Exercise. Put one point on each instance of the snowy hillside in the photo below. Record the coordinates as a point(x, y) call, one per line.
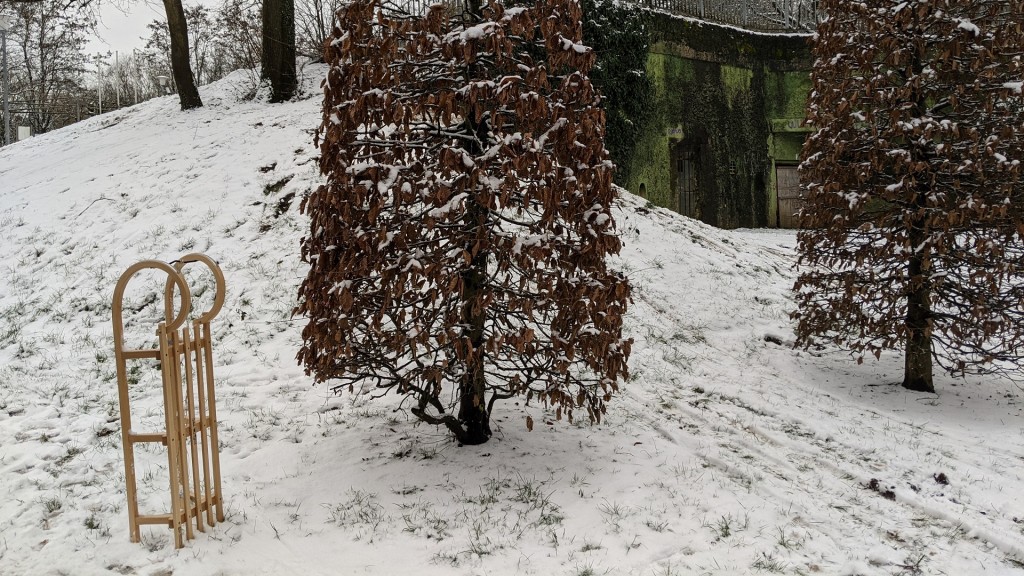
point(727, 453)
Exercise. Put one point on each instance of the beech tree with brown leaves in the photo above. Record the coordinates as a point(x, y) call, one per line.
point(912, 229)
point(458, 249)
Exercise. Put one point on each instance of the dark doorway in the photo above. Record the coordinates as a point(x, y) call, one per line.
point(685, 178)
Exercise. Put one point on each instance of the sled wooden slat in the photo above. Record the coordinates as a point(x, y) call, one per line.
point(141, 354)
point(157, 519)
point(136, 437)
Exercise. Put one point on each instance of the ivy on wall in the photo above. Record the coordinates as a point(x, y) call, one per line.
point(618, 33)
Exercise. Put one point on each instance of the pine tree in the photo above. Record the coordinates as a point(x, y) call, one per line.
point(457, 251)
point(912, 231)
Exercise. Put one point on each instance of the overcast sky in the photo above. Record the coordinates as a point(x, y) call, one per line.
point(122, 25)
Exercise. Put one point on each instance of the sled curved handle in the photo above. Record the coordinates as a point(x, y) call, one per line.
point(218, 275)
point(173, 279)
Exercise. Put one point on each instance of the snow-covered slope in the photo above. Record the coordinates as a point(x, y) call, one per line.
point(726, 453)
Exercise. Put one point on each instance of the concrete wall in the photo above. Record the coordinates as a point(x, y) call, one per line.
point(735, 101)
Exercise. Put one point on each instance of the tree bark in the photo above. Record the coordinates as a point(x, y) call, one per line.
point(278, 62)
point(473, 384)
point(181, 66)
point(917, 369)
point(917, 373)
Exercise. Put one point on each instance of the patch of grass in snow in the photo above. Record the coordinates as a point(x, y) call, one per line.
point(260, 423)
point(613, 514)
point(360, 509)
point(154, 541)
point(912, 565)
point(9, 331)
point(531, 493)
point(767, 562)
point(658, 525)
point(726, 525)
point(587, 569)
point(478, 543)
point(789, 541)
point(589, 546)
point(422, 519)
point(668, 569)
point(69, 453)
point(94, 523)
point(52, 505)
point(504, 510)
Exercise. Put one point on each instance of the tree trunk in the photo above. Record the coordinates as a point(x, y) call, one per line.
point(278, 62)
point(917, 373)
point(181, 66)
point(473, 384)
point(917, 370)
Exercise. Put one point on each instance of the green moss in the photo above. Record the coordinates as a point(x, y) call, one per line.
point(788, 94)
point(736, 81)
point(785, 146)
point(650, 160)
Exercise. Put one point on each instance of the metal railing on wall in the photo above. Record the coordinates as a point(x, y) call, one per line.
point(757, 15)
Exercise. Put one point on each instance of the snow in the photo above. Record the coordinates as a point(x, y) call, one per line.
point(700, 22)
point(514, 12)
point(529, 241)
point(568, 44)
point(968, 26)
point(454, 204)
point(475, 32)
point(727, 452)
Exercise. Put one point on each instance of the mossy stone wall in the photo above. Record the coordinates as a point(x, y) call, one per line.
point(731, 100)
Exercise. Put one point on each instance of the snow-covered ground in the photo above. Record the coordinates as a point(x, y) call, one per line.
point(726, 453)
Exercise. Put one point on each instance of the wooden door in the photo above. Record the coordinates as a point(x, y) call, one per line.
point(787, 183)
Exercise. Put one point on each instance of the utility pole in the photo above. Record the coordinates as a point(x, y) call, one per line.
point(5, 24)
point(99, 80)
point(117, 83)
point(136, 73)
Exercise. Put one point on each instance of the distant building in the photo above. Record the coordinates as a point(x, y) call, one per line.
point(723, 141)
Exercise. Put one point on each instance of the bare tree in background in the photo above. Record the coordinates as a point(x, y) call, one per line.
point(202, 44)
point(240, 33)
point(158, 47)
point(46, 59)
point(314, 21)
point(222, 40)
point(790, 14)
